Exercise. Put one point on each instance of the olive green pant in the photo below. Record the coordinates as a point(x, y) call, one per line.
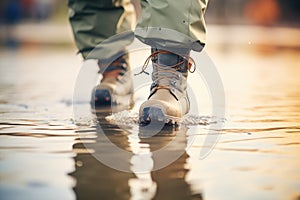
point(162, 22)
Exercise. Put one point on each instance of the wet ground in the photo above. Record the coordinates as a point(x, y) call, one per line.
point(44, 155)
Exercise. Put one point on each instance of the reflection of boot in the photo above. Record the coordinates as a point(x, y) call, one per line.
point(116, 86)
point(168, 100)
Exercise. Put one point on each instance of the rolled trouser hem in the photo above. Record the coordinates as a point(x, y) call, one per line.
point(93, 22)
point(163, 38)
point(85, 53)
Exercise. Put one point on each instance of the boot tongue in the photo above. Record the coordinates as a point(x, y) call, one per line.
point(167, 59)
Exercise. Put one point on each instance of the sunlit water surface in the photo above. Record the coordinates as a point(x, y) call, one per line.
point(44, 155)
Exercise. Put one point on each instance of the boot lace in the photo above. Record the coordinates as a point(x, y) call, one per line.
point(167, 73)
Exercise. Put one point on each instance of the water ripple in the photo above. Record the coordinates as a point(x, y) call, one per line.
point(130, 118)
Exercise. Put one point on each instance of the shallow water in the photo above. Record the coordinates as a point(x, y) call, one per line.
point(45, 156)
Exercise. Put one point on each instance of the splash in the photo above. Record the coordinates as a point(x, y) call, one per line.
point(131, 118)
point(125, 117)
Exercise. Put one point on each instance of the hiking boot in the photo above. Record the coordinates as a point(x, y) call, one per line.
point(116, 86)
point(168, 100)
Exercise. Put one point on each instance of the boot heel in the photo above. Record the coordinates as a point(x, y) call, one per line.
point(101, 98)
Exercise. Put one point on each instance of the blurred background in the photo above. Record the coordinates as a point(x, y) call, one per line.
point(45, 22)
point(255, 12)
point(41, 22)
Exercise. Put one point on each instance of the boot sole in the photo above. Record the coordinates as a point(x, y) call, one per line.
point(156, 116)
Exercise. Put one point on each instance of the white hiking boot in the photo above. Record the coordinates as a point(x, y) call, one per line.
point(168, 100)
point(116, 86)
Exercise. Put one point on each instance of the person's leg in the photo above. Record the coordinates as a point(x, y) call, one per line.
point(97, 20)
point(173, 23)
point(94, 22)
point(172, 28)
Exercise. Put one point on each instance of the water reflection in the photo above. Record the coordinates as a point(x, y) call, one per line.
point(257, 156)
point(96, 180)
